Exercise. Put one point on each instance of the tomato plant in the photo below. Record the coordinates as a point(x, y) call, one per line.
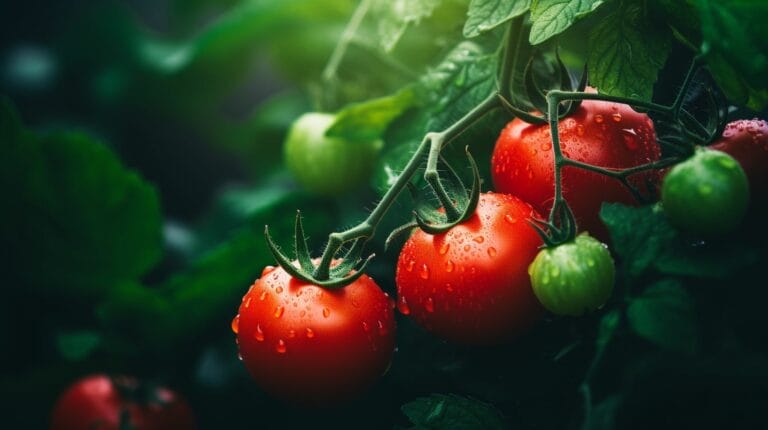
point(707, 194)
point(313, 346)
point(470, 284)
point(604, 134)
point(574, 277)
point(746, 140)
point(111, 403)
point(327, 165)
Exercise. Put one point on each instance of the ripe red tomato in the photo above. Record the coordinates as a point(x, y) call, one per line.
point(312, 346)
point(599, 133)
point(470, 284)
point(746, 140)
point(98, 401)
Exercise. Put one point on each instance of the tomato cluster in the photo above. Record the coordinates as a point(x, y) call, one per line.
point(112, 403)
point(486, 279)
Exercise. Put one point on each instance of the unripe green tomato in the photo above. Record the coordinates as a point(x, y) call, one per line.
point(707, 194)
point(325, 165)
point(574, 277)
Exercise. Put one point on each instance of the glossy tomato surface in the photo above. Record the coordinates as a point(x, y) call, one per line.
point(470, 284)
point(746, 140)
point(312, 346)
point(98, 401)
point(603, 134)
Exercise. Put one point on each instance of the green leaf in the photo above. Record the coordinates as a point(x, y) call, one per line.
point(735, 37)
point(77, 345)
point(367, 121)
point(552, 17)
point(80, 220)
point(471, 81)
point(664, 314)
point(717, 260)
point(190, 304)
point(395, 16)
point(440, 411)
point(608, 325)
point(624, 55)
point(485, 15)
point(639, 235)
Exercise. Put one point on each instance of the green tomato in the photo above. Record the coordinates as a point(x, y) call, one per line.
point(574, 277)
point(707, 194)
point(325, 165)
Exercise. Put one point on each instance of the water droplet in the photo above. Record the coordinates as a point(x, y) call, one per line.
point(444, 248)
point(467, 248)
point(479, 239)
point(309, 333)
point(616, 117)
point(409, 266)
point(279, 290)
point(555, 272)
point(291, 334)
point(402, 306)
point(240, 356)
point(382, 329)
point(365, 327)
point(449, 266)
point(280, 347)
point(705, 190)
point(267, 270)
point(491, 252)
point(449, 288)
point(424, 272)
point(510, 219)
point(263, 296)
point(259, 333)
point(580, 130)
point(326, 312)
point(279, 311)
point(591, 263)
point(302, 313)
point(235, 324)
point(546, 146)
point(429, 305)
point(248, 302)
point(599, 119)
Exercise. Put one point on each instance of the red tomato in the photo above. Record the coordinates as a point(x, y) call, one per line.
point(98, 401)
point(312, 346)
point(470, 284)
point(599, 133)
point(746, 140)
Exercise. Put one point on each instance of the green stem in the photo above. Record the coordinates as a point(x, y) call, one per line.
point(367, 228)
point(329, 73)
point(513, 36)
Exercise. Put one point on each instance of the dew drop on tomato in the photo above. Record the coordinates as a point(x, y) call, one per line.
point(424, 272)
point(259, 333)
point(279, 311)
point(281, 348)
point(235, 324)
point(403, 307)
point(309, 333)
point(326, 312)
point(429, 305)
point(449, 265)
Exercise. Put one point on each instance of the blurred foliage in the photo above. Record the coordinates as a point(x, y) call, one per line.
point(141, 157)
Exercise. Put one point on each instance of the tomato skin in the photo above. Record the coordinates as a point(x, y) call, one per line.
point(94, 402)
point(311, 346)
point(707, 194)
point(600, 133)
point(470, 285)
point(746, 140)
point(324, 165)
point(574, 277)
